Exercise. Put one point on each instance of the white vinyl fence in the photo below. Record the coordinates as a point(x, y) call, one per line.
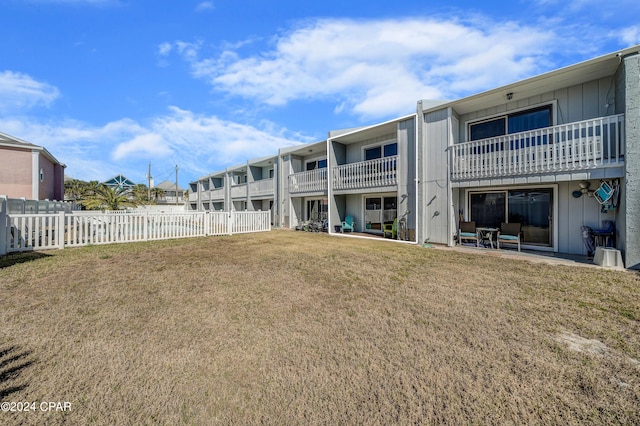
point(22, 232)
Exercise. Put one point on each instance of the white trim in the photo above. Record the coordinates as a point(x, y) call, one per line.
point(35, 174)
point(554, 107)
point(554, 209)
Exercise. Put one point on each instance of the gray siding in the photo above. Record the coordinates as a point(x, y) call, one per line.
point(575, 103)
point(354, 151)
point(574, 213)
point(435, 185)
point(407, 172)
point(631, 207)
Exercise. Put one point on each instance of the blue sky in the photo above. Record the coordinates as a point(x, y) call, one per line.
point(109, 86)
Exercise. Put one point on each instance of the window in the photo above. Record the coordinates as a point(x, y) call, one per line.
point(373, 153)
point(317, 164)
point(522, 121)
point(380, 151)
point(532, 207)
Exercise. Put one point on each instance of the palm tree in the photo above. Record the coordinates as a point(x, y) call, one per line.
point(157, 193)
point(104, 197)
point(140, 193)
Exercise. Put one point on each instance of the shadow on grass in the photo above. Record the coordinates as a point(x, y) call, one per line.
point(13, 361)
point(16, 258)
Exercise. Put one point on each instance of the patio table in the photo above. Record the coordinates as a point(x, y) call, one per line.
point(486, 233)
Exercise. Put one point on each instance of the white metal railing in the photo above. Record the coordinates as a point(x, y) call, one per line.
point(23, 232)
point(584, 144)
point(239, 190)
point(366, 174)
point(261, 187)
point(308, 181)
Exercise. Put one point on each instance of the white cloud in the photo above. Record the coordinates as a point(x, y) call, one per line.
point(198, 143)
point(18, 91)
point(148, 145)
point(378, 68)
point(630, 35)
point(205, 5)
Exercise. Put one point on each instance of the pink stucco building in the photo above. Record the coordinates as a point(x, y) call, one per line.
point(29, 171)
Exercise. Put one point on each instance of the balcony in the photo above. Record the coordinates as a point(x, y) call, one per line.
point(376, 173)
point(262, 187)
point(239, 190)
point(582, 145)
point(216, 194)
point(309, 181)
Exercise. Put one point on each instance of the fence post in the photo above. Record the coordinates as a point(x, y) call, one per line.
point(230, 223)
point(3, 225)
point(207, 223)
point(60, 230)
point(146, 225)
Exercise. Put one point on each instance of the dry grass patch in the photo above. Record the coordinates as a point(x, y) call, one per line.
point(296, 328)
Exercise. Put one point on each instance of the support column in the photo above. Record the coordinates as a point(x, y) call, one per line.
point(630, 205)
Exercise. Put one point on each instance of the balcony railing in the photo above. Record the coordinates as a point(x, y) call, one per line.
point(309, 181)
point(216, 194)
point(239, 190)
point(261, 187)
point(580, 145)
point(366, 174)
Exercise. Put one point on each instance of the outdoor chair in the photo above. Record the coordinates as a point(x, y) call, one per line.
point(348, 224)
point(467, 231)
point(391, 228)
point(509, 233)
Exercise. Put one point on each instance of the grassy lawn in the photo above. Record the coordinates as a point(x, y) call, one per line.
point(297, 328)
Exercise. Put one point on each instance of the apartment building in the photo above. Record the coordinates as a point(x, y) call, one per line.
point(29, 171)
point(540, 152)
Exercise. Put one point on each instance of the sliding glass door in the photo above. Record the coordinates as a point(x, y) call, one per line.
point(533, 208)
point(379, 210)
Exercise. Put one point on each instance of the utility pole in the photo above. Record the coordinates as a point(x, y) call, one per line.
point(176, 184)
point(149, 182)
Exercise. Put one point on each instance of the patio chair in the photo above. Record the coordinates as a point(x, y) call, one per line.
point(509, 233)
point(467, 231)
point(348, 224)
point(391, 228)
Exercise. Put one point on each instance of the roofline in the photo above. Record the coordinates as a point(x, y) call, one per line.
point(290, 149)
point(508, 87)
point(372, 126)
point(30, 146)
